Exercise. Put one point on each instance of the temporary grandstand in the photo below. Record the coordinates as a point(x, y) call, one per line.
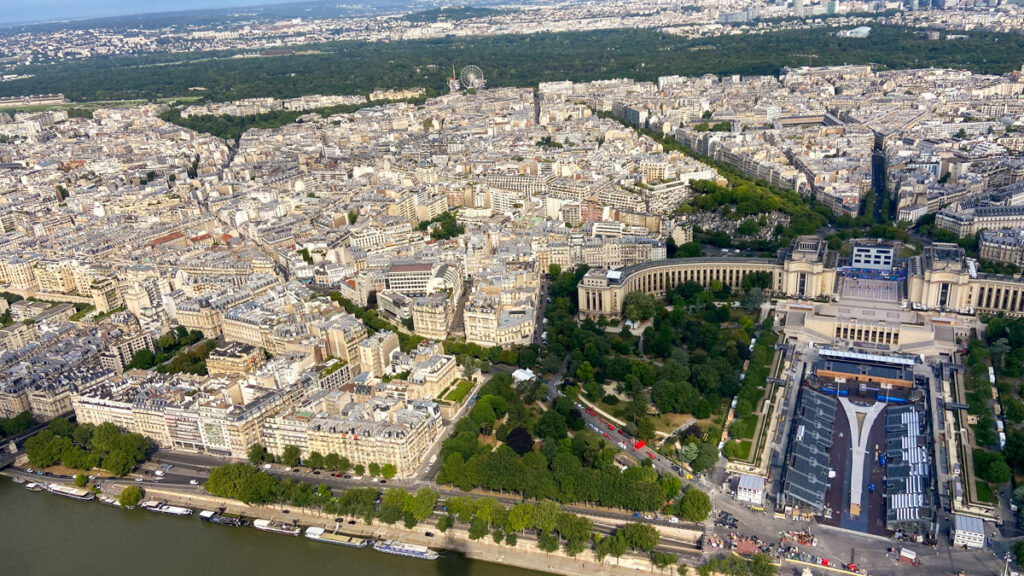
point(909, 500)
point(807, 465)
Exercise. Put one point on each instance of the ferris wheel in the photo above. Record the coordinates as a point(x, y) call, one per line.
point(472, 77)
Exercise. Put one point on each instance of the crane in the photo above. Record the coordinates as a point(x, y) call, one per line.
point(810, 58)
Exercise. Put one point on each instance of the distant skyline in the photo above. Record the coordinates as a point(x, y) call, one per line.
point(34, 11)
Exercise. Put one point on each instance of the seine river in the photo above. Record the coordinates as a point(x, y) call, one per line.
point(42, 534)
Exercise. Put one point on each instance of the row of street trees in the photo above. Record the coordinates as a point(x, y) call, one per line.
point(292, 456)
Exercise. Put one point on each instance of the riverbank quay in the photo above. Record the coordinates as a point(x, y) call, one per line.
point(524, 555)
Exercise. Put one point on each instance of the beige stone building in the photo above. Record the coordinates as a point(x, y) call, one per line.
point(431, 316)
point(342, 334)
point(942, 278)
point(234, 359)
point(381, 431)
point(225, 418)
point(375, 352)
point(55, 276)
point(488, 322)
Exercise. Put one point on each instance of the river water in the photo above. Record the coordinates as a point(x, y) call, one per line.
point(42, 534)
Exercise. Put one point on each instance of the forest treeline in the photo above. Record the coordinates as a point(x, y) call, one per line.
point(512, 60)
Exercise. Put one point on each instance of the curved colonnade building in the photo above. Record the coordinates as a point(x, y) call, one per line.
point(941, 279)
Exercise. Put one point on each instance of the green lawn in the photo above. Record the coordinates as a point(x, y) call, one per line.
point(985, 493)
point(744, 427)
point(81, 313)
point(459, 393)
point(738, 449)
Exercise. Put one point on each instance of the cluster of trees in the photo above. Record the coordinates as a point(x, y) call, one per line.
point(702, 354)
point(699, 454)
point(546, 142)
point(990, 267)
point(1005, 341)
point(375, 323)
point(688, 250)
point(522, 356)
point(86, 446)
point(578, 469)
point(745, 422)
point(925, 226)
point(747, 198)
point(232, 127)
point(166, 346)
point(991, 466)
point(190, 361)
point(566, 470)
point(553, 526)
point(354, 67)
point(444, 226)
point(130, 496)
point(694, 506)
point(977, 388)
point(397, 504)
point(292, 456)
point(699, 360)
point(253, 486)
point(732, 565)
point(1004, 345)
point(639, 306)
point(16, 425)
point(452, 14)
point(247, 483)
point(635, 536)
point(717, 127)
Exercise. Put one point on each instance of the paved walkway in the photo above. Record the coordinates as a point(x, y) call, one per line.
point(859, 434)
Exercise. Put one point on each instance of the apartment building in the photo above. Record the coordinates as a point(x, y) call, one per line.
point(121, 351)
point(375, 352)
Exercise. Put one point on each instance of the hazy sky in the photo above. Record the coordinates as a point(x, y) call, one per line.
point(17, 11)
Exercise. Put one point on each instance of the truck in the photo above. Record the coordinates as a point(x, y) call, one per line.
point(639, 444)
point(881, 460)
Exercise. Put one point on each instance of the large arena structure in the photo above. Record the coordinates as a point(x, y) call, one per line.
point(941, 279)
